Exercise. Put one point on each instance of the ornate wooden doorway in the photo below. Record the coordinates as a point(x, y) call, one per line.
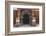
point(26, 16)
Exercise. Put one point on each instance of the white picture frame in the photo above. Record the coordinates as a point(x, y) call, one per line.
point(11, 5)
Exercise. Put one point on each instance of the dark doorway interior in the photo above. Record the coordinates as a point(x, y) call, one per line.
point(25, 19)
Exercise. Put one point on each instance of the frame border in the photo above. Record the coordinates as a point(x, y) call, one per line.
point(7, 20)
